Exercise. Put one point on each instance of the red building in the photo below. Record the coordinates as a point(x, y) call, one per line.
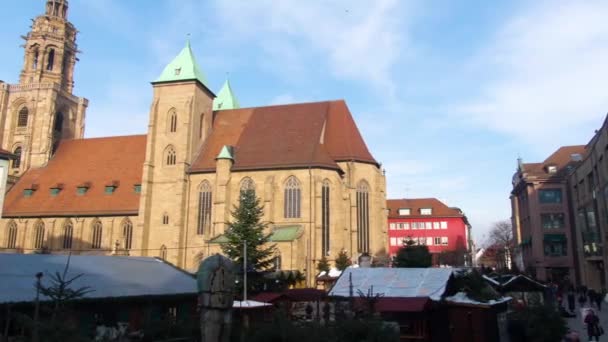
point(428, 221)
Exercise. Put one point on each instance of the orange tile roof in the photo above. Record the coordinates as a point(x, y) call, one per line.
point(560, 158)
point(288, 136)
point(98, 161)
point(439, 209)
point(317, 134)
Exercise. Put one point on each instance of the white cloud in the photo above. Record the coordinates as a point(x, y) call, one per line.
point(360, 40)
point(548, 67)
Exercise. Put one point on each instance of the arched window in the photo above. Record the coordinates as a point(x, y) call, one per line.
point(201, 125)
point(22, 118)
point(163, 252)
point(247, 185)
point(39, 235)
point(68, 233)
point(165, 218)
point(277, 262)
point(35, 57)
point(17, 160)
point(363, 216)
point(170, 157)
point(57, 130)
point(50, 60)
point(292, 198)
point(97, 235)
point(172, 121)
point(325, 218)
point(11, 235)
point(127, 233)
point(204, 208)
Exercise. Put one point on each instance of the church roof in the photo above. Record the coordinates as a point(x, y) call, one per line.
point(92, 163)
point(225, 98)
point(317, 134)
point(183, 68)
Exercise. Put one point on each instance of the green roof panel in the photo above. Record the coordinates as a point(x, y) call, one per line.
point(183, 68)
point(226, 99)
point(286, 233)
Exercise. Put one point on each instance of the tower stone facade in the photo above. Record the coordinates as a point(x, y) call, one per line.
point(40, 111)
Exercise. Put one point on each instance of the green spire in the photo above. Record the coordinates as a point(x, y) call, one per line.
point(183, 68)
point(226, 153)
point(225, 98)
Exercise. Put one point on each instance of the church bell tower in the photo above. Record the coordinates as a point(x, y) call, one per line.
point(40, 111)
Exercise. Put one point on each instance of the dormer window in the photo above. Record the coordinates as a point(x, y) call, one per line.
point(111, 187)
point(552, 169)
point(426, 211)
point(82, 188)
point(178, 71)
point(28, 192)
point(404, 211)
point(55, 190)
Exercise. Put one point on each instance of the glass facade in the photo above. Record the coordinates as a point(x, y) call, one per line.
point(550, 196)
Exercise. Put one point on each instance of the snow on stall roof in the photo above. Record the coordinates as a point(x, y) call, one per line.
point(248, 304)
point(462, 298)
point(108, 276)
point(491, 280)
point(394, 282)
point(333, 272)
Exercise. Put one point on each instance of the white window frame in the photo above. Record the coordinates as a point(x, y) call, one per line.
point(426, 211)
point(428, 225)
point(429, 241)
point(444, 240)
point(444, 225)
point(392, 226)
point(437, 241)
point(405, 211)
point(436, 225)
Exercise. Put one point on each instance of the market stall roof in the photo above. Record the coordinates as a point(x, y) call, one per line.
point(394, 282)
point(107, 276)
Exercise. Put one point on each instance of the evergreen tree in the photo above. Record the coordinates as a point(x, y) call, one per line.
point(323, 265)
point(343, 261)
point(412, 255)
point(247, 226)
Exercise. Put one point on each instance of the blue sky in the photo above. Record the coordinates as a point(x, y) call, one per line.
point(446, 93)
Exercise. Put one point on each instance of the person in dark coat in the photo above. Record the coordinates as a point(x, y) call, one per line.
point(582, 299)
point(591, 294)
point(571, 302)
point(599, 298)
point(594, 330)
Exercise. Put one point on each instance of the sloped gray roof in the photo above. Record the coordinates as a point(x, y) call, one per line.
point(394, 282)
point(108, 276)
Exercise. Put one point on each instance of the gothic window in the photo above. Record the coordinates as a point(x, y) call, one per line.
point(165, 218)
point(17, 160)
point(170, 157)
point(204, 208)
point(11, 235)
point(172, 121)
point(277, 262)
point(363, 216)
point(325, 218)
point(39, 235)
point(50, 60)
point(163, 252)
point(57, 130)
point(68, 233)
point(127, 233)
point(36, 55)
point(247, 185)
point(97, 235)
point(292, 198)
point(22, 118)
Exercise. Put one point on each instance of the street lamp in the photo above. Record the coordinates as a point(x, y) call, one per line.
point(37, 307)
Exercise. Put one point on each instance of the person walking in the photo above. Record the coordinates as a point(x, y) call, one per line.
point(599, 298)
point(594, 330)
point(571, 300)
point(591, 294)
point(582, 299)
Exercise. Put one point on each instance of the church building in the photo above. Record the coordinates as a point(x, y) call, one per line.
point(169, 193)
